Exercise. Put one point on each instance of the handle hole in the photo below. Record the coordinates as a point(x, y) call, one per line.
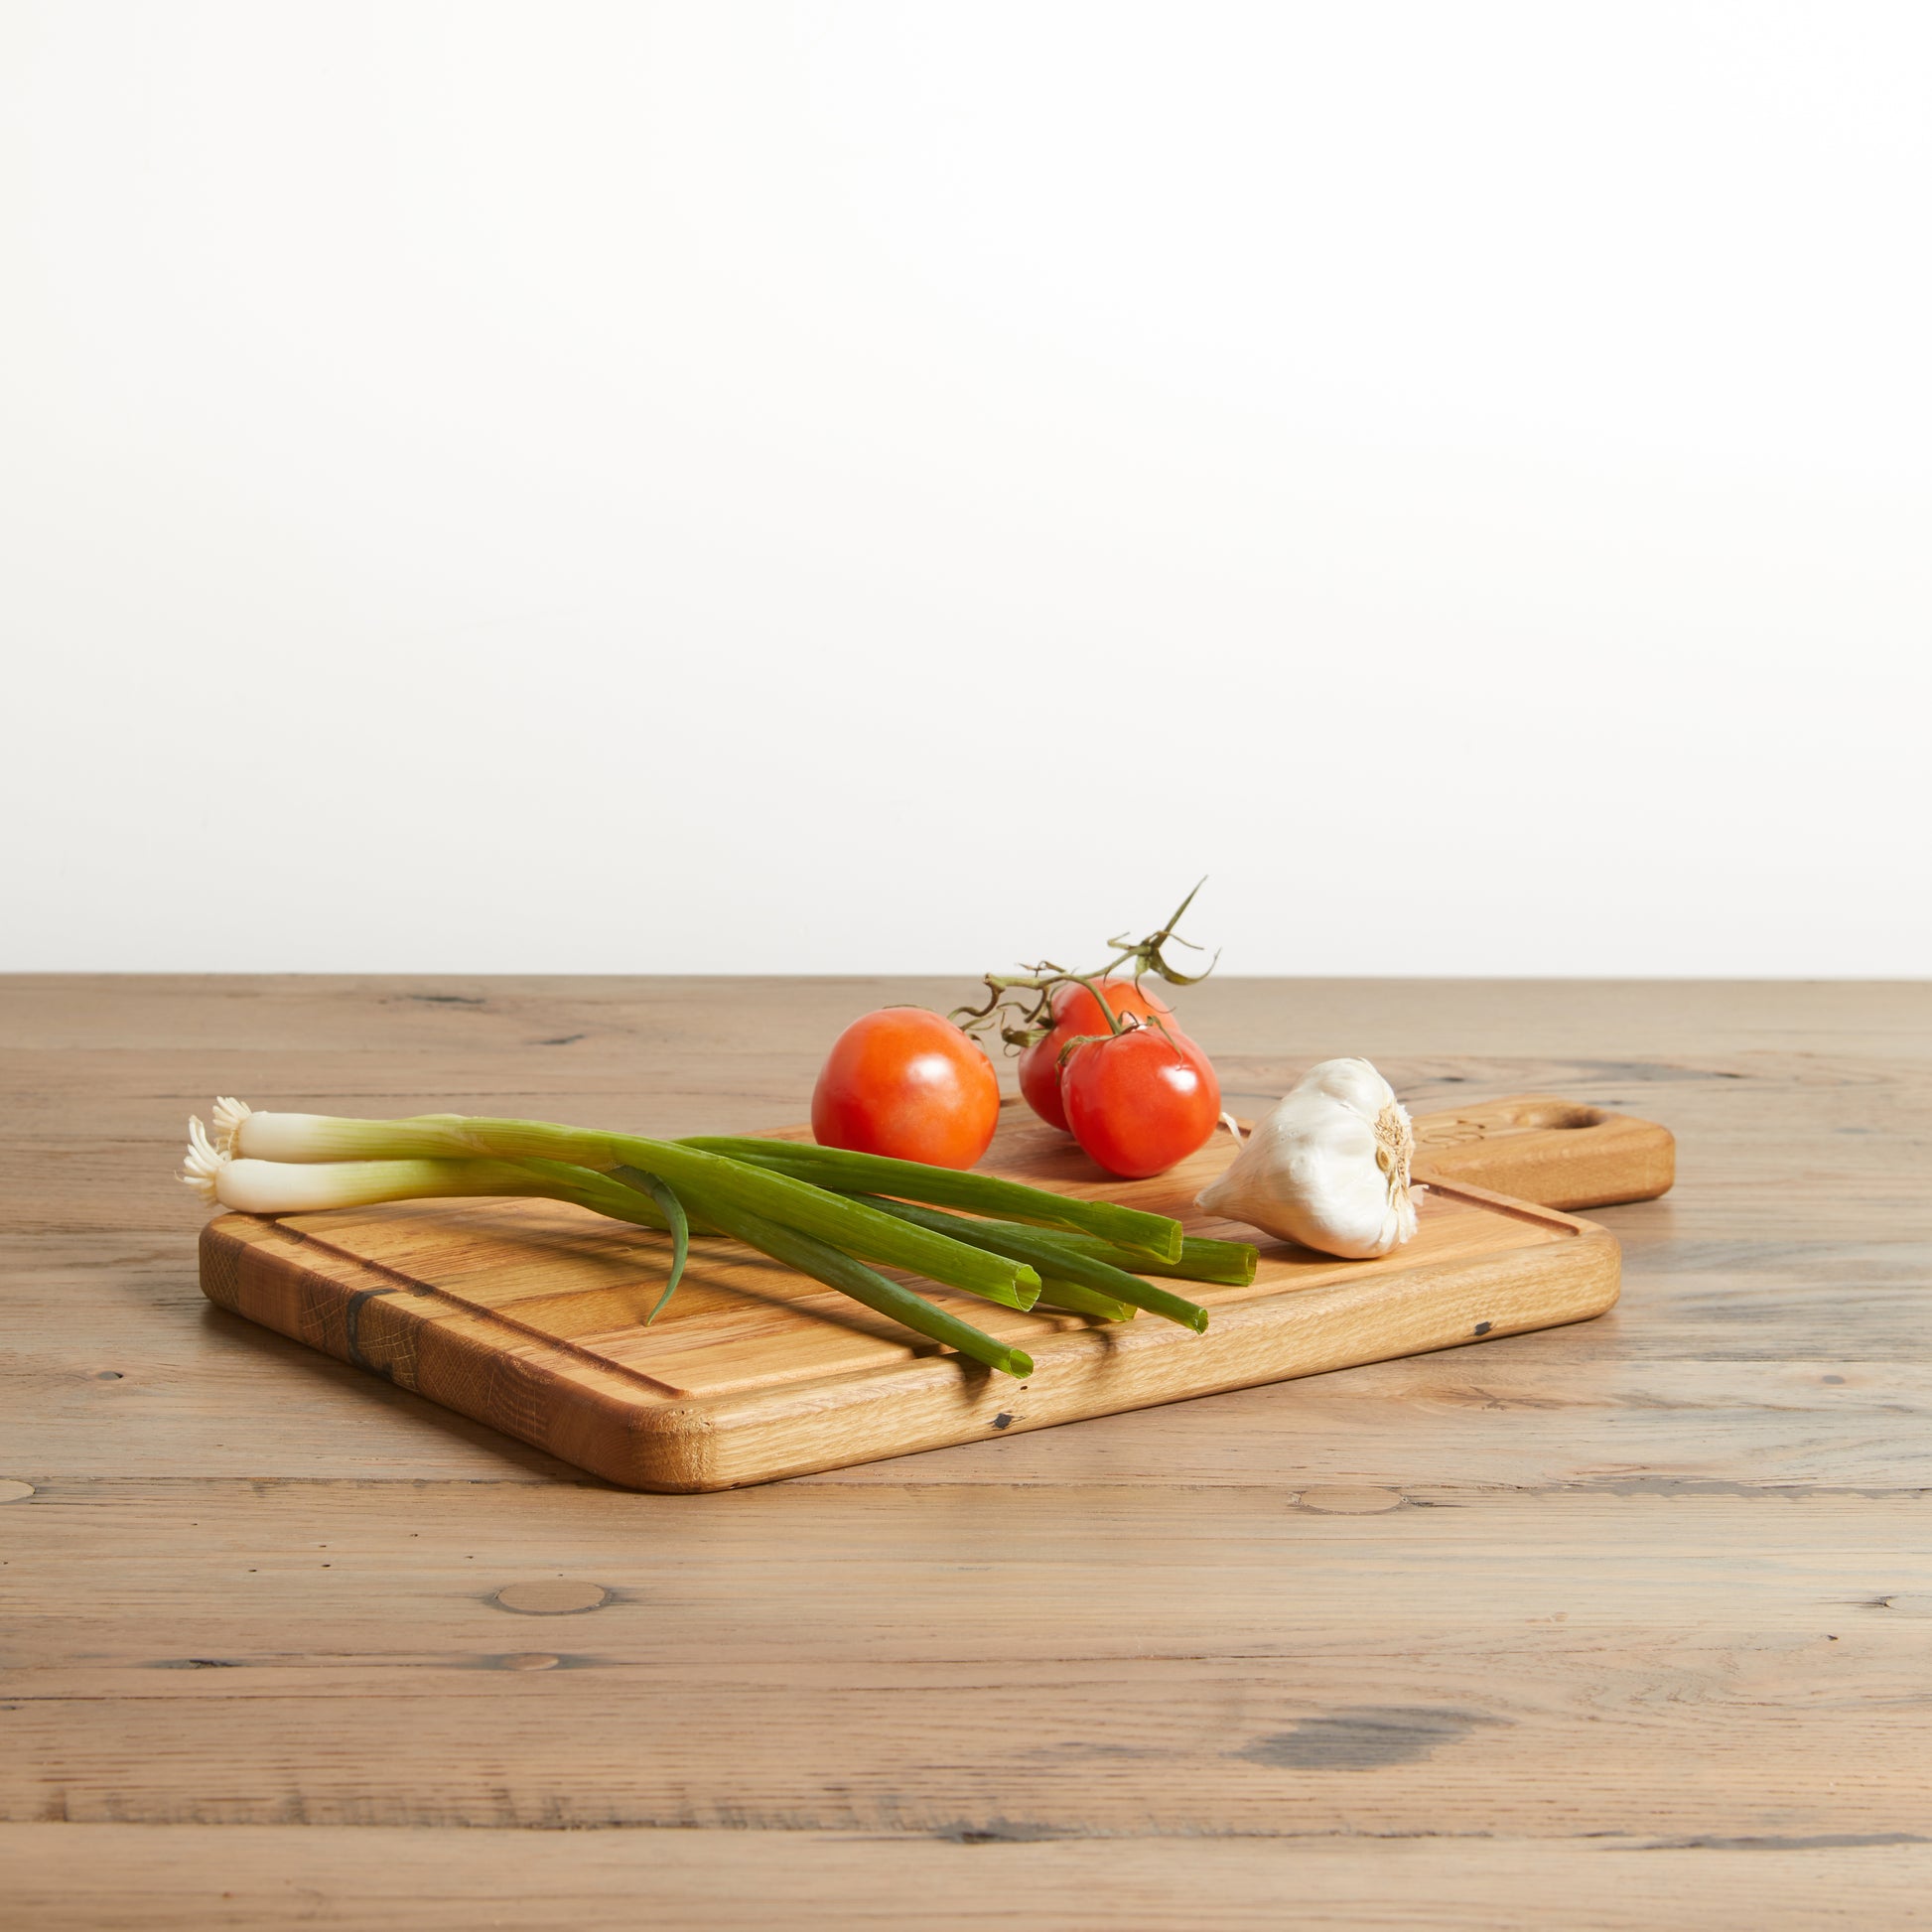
point(1558, 1116)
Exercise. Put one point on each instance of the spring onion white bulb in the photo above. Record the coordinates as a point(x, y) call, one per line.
point(1328, 1168)
point(258, 1186)
point(242, 1132)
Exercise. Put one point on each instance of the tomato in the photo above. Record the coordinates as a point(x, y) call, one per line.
point(1142, 1101)
point(1077, 1011)
point(904, 1083)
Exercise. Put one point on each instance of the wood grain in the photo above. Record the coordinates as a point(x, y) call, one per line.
point(529, 1315)
point(1641, 1641)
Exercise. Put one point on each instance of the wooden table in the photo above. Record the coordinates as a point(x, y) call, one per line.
point(1625, 1624)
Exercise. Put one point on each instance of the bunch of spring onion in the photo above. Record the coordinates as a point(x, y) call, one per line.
point(826, 1212)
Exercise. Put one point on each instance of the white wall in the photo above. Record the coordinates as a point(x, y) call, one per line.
point(901, 487)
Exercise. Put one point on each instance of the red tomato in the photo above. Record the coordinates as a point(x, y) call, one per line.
point(1142, 1101)
point(1077, 1011)
point(904, 1083)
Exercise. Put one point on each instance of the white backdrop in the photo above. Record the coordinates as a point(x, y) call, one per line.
point(901, 487)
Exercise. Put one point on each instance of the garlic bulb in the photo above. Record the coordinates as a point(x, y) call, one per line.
point(1328, 1168)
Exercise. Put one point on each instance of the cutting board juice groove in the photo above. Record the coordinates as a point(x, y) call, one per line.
point(527, 1316)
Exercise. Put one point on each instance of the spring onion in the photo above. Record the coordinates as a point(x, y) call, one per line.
point(792, 1203)
point(1230, 1264)
point(1153, 1235)
point(826, 1263)
point(821, 1212)
point(1076, 1300)
point(1033, 1245)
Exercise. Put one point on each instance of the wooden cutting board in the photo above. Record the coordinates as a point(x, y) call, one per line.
point(529, 1314)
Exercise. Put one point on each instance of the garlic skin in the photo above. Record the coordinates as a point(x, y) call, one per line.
point(1328, 1168)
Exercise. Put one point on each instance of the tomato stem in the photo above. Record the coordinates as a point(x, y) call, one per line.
point(1100, 999)
point(1024, 1020)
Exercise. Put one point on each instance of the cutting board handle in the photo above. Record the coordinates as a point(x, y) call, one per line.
point(1557, 1153)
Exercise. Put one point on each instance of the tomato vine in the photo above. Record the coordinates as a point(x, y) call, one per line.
point(1021, 1005)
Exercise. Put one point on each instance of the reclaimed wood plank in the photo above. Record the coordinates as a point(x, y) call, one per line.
point(204, 1879)
point(1079, 1660)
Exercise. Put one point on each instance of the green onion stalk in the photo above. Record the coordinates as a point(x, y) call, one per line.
point(829, 1214)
